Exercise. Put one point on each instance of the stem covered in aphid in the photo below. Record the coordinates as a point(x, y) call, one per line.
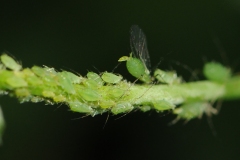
point(97, 94)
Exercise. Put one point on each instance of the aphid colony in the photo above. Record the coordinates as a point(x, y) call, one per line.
point(82, 94)
point(98, 93)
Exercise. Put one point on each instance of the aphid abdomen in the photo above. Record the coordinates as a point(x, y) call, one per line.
point(216, 72)
point(137, 69)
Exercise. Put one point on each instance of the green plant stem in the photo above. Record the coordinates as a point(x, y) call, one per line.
point(180, 93)
point(136, 94)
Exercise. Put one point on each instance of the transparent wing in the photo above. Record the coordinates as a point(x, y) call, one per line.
point(139, 46)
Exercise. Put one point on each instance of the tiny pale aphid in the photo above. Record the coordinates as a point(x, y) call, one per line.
point(138, 64)
point(193, 110)
point(88, 94)
point(122, 107)
point(65, 82)
point(95, 77)
point(10, 63)
point(216, 72)
point(168, 77)
point(77, 106)
point(111, 78)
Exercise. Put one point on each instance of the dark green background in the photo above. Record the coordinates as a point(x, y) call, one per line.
point(84, 35)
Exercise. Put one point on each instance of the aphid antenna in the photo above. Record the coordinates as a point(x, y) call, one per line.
point(135, 99)
point(146, 90)
point(189, 69)
point(128, 88)
point(72, 70)
point(122, 115)
point(116, 67)
point(224, 56)
point(160, 61)
point(220, 49)
point(158, 64)
point(96, 70)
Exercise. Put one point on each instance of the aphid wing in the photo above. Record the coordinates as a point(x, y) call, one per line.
point(139, 46)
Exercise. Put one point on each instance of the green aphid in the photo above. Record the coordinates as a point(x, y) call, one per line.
point(106, 104)
point(123, 107)
point(16, 82)
point(34, 80)
point(138, 64)
point(111, 78)
point(47, 74)
point(115, 92)
point(72, 77)
point(194, 110)
point(11, 79)
point(95, 77)
point(145, 108)
point(65, 82)
point(216, 72)
point(90, 83)
point(88, 94)
point(48, 94)
point(77, 106)
point(59, 98)
point(168, 77)
point(22, 92)
point(31, 78)
point(10, 63)
point(163, 105)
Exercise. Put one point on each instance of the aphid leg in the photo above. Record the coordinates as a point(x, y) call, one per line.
point(81, 117)
point(174, 121)
point(105, 123)
point(190, 70)
point(58, 107)
point(212, 111)
point(145, 91)
point(128, 89)
point(123, 115)
point(115, 67)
